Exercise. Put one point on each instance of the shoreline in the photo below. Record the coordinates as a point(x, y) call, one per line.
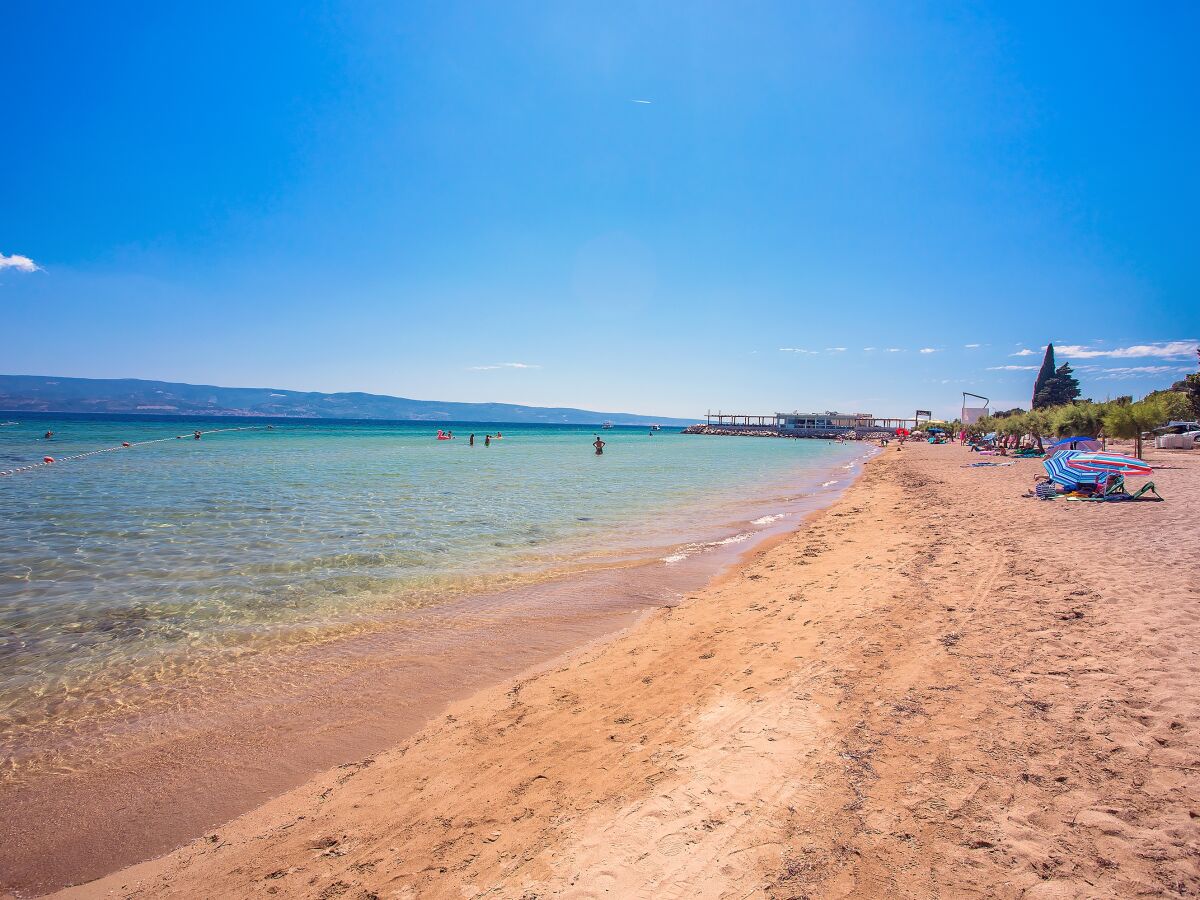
point(879, 704)
point(308, 708)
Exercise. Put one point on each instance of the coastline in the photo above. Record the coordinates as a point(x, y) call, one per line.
point(920, 693)
point(297, 713)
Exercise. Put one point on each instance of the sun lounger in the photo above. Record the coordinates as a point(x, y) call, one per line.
point(1116, 490)
point(1148, 487)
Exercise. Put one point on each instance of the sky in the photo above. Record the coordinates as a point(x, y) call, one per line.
point(650, 207)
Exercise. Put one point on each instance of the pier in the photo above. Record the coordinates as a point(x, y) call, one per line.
point(828, 424)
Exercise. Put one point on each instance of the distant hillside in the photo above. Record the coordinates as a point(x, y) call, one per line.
point(47, 393)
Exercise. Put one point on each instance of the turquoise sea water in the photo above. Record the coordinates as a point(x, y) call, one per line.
point(156, 557)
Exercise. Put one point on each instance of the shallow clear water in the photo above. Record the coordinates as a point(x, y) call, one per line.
point(154, 558)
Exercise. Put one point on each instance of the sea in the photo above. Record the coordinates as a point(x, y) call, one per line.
point(153, 562)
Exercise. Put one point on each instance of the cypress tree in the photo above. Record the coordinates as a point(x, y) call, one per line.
point(1044, 377)
point(1061, 389)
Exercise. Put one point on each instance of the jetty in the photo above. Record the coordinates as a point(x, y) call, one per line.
point(829, 424)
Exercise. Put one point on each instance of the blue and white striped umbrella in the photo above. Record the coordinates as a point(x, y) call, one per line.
point(1060, 471)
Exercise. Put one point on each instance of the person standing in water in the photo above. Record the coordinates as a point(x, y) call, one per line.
point(487, 440)
point(471, 442)
point(599, 445)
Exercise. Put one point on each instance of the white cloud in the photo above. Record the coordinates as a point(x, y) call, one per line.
point(835, 349)
point(641, 101)
point(504, 366)
point(1123, 372)
point(1012, 368)
point(894, 350)
point(1158, 349)
point(928, 350)
point(18, 262)
point(797, 350)
point(1023, 352)
point(867, 349)
point(972, 346)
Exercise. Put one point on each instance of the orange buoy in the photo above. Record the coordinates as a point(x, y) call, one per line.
point(47, 459)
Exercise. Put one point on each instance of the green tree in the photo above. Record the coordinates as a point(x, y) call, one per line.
point(1060, 388)
point(1038, 423)
point(1190, 388)
point(1132, 420)
point(1045, 374)
point(1175, 405)
point(1084, 418)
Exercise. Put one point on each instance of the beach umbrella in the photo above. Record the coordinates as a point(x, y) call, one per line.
point(1079, 442)
point(1061, 472)
point(1108, 463)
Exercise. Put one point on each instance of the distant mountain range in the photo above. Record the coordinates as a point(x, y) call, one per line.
point(133, 396)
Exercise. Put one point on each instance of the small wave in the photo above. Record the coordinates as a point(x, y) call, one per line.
point(689, 550)
point(767, 520)
point(828, 483)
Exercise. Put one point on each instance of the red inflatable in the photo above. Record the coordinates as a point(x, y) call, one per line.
point(47, 459)
point(124, 443)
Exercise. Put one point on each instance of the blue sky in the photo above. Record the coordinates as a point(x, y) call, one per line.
point(466, 202)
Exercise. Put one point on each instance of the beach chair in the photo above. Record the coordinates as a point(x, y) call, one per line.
point(1115, 489)
point(1148, 487)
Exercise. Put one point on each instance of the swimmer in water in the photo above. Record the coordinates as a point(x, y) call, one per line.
point(49, 435)
point(196, 435)
point(599, 445)
point(487, 440)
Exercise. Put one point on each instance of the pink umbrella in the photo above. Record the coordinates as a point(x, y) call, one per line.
point(1108, 462)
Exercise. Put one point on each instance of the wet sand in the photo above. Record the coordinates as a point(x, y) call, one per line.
point(936, 689)
point(178, 755)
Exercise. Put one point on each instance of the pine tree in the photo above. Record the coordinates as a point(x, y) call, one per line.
point(1045, 375)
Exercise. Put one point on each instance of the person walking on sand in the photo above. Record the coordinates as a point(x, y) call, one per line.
point(599, 445)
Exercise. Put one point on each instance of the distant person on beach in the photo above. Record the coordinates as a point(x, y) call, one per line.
point(487, 440)
point(472, 440)
point(599, 445)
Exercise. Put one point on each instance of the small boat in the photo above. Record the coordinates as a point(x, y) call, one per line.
point(655, 427)
point(607, 425)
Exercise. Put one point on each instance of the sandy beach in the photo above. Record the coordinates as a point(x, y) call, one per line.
point(935, 688)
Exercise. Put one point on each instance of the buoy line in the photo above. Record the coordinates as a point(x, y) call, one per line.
point(125, 445)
